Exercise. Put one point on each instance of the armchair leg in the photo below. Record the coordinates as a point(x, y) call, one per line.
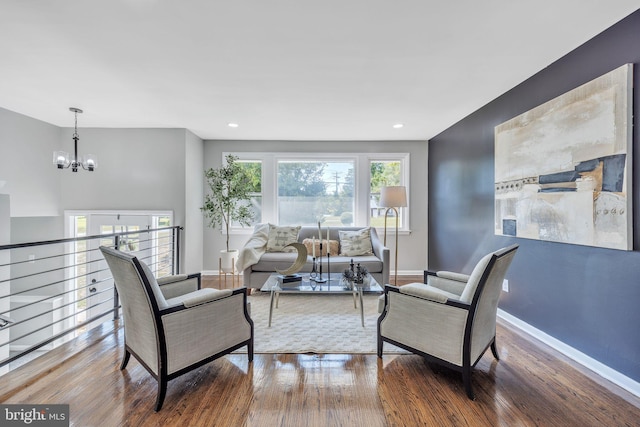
point(494, 350)
point(250, 351)
point(466, 379)
point(162, 391)
point(380, 343)
point(125, 359)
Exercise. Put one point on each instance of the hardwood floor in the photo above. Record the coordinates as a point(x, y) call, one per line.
point(531, 385)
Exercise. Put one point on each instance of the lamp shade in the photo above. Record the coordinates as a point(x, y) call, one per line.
point(393, 197)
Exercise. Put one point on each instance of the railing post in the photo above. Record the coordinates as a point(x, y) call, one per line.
point(116, 303)
point(177, 251)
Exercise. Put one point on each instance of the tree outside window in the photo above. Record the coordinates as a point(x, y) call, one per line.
point(253, 170)
point(383, 173)
point(312, 191)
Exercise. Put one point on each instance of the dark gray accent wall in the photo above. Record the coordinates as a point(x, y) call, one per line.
point(587, 297)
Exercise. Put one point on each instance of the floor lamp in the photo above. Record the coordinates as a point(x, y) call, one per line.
point(393, 197)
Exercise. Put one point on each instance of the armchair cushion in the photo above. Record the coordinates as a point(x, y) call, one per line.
point(447, 285)
point(200, 296)
point(179, 284)
point(474, 279)
point(162, 302)
point(421, 290)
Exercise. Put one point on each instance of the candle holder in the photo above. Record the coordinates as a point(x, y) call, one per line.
point(319, 278)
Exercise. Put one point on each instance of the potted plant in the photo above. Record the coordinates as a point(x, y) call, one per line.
point(228, 202)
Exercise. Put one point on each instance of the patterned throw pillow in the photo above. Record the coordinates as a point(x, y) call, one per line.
point(355, 243)
point(279, 237)
point(333, 247)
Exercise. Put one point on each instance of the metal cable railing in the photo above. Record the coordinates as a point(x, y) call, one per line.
point(50, 291)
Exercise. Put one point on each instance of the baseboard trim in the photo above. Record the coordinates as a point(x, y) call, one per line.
point(597, 367)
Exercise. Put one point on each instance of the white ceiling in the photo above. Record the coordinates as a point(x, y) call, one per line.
point(282, 69)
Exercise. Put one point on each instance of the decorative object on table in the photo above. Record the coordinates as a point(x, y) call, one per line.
point(62, 160)
point(392, 198)
point(356, 274)
point(290, 274)
point(228, 202)
point(318, 278)
point(563, 170)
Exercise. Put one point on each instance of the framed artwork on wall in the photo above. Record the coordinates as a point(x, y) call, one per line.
point(563, 169)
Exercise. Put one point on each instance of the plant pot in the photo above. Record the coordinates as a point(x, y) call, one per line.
point(228, 260)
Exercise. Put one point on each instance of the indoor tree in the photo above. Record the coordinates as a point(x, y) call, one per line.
point(229, 195)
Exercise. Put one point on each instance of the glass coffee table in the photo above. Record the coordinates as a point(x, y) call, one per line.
point(333, 285)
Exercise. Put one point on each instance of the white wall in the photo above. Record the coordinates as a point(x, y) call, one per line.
point(138, 169)
point(412, 256)
point(26, 164)
point(193, 194)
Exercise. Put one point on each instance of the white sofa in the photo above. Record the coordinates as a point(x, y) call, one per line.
point(257, 265)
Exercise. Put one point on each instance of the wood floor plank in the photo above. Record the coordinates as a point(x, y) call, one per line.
point(531, 385)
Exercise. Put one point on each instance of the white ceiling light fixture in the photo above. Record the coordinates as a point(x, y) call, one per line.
point(398, 126)
point(62, 159)
point(232, 125)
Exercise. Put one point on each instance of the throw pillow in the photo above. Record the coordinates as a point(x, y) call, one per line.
point(333, 247)
point(279, 237)
point(355, 243)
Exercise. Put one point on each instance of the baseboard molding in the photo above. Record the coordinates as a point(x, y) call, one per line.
point(597, 367)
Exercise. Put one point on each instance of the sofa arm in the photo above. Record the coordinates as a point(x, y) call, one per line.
point(382, 252)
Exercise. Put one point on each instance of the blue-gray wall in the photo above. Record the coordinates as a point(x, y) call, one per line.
point(586, 297)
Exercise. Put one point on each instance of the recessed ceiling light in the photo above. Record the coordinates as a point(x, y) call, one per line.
point(232, 125)
point(398, 126)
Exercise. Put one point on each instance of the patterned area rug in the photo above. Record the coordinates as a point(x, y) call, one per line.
point(323, 324)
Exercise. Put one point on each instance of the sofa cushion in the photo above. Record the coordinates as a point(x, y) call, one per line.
point(272, 261)
point(355, 243)
point(279, 237)
point(334, 245)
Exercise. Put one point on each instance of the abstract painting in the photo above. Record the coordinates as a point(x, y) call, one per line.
point(563, 169)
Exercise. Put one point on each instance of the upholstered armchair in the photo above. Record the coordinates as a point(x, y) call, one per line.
point(171, 326)
point(451, 319)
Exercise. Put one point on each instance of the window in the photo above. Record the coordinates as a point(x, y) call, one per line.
point(253, 169)
point(335, 189)
point(315, 191)
point(383, 173)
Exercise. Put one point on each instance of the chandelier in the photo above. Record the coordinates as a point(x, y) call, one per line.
point(63, 160)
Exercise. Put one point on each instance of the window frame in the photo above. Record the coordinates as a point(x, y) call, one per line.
point(362, 184)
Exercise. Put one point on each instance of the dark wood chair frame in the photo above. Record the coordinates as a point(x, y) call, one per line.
point(467, 365)
point(163, 377)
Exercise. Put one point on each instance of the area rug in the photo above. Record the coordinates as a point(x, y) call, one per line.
point(323, 324)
